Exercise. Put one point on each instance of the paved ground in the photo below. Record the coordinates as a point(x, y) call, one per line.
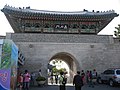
point(70, 87)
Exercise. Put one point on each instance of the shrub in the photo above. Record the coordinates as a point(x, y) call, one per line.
point(40, 78)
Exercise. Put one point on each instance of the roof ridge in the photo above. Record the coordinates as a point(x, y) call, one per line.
point(27, 9)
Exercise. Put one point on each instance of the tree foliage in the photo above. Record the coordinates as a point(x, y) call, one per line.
point(55, 70)
point(117, 32)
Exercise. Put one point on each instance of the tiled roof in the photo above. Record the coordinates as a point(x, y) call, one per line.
point(78, 13)
point(16, 16)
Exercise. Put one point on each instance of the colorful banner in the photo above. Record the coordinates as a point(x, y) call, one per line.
point(5, 79)
point(1, 43)
point(6, 54)
point(14, 59)
point(8, 64)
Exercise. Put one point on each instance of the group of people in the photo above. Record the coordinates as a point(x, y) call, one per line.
point(24, 80)
point(81, 78)
point(54, 78)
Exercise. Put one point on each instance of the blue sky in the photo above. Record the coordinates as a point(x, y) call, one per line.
point(63, 5)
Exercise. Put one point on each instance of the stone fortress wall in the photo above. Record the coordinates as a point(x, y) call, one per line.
point(90, 51)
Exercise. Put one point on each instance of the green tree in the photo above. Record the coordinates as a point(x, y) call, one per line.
point(55, 63)
point(117, 32)
point(62, 70)
point(55, 70)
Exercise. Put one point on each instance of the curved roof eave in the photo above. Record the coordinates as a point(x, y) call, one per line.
point(78, 13)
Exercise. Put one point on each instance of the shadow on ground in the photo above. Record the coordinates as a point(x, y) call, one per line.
point(71, 87)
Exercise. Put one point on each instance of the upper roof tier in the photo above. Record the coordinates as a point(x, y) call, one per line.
point(19, 18)
point(27, 10)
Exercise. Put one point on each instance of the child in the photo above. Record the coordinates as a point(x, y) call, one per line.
point(20, 81)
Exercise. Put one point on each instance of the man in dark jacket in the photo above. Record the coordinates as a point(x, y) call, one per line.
point(62, 81)
point(77, 81)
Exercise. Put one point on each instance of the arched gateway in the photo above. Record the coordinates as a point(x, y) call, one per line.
point(70, 61)
point(71, 36)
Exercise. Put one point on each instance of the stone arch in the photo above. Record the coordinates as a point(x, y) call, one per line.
point(70, 60)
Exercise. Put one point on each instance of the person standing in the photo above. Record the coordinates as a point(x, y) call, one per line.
point(56, 79)
point(83, 77)
point(87, 77)
point(61, 81)
point(39, 73)
point(91, 79)
point(51, 78)
point(32, 78)
point(26, 80)
point(77, 81)
point(20, 81)
point(94, 76)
